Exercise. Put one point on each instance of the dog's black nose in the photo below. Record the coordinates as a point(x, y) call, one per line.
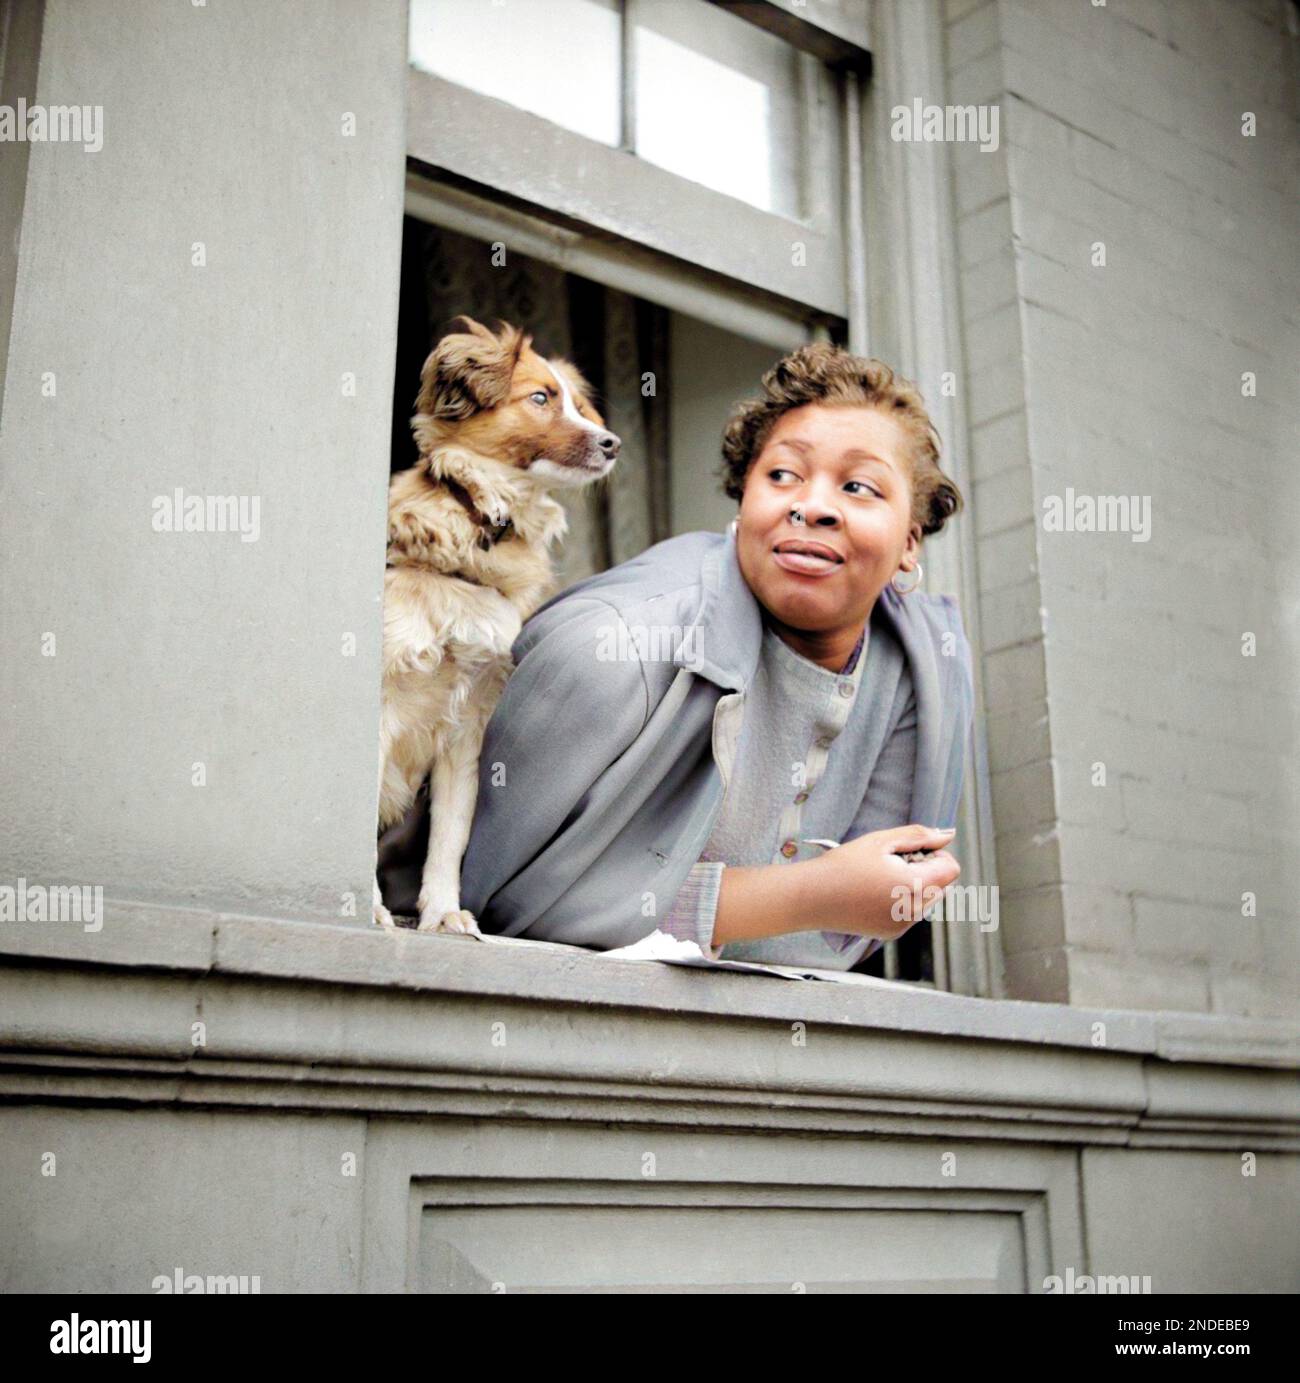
point(609, 444)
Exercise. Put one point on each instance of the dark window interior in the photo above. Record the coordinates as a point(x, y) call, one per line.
point(612, 338)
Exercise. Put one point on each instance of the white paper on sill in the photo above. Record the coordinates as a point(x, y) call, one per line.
point(672, 951)
point(668, 950)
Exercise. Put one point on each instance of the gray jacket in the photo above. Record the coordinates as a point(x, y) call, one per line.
point(598, 785)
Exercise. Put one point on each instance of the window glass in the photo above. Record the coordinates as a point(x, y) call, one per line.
point(718, 101)
point(560, 59)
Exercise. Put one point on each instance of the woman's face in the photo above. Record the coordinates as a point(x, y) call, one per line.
point(846, 469)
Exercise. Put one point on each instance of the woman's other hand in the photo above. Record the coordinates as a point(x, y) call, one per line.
point(868, 888)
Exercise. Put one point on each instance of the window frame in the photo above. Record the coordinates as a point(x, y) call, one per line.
point(728, 262)
point(451, 204)
point(457, 134)
point(909, 314)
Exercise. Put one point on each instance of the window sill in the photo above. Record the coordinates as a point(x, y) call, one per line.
point(150, 938)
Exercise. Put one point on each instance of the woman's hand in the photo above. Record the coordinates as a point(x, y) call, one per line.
point(866, 887)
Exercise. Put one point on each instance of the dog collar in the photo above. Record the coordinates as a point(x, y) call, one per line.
point(491, 533)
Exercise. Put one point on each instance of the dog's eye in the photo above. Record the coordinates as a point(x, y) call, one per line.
point(540, 397)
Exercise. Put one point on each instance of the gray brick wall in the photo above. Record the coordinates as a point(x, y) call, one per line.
point(1121, 125)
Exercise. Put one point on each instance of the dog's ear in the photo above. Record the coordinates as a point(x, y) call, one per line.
point(470, 370)
point(470, 325)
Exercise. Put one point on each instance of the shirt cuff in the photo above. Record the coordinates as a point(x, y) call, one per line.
point(695, 908)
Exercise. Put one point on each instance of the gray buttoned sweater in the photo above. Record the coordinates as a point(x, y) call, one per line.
point(797, 776)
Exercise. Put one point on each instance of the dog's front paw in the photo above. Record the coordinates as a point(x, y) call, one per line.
point(458, 920)
point(383, 918)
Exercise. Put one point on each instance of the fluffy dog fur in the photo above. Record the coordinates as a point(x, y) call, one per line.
point(470, 528)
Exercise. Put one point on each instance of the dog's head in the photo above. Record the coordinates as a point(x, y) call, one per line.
point(491, 392)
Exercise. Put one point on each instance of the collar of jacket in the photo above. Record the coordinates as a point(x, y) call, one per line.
point(927, 626)
point(728, 624)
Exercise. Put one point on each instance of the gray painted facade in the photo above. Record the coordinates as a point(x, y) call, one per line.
point(1164, 374)
point(235, 1075)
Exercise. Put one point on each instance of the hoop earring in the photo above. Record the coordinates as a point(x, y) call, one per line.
point(907, 590)
point(733, 526)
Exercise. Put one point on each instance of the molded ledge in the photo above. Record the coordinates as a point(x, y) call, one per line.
point(345, 1017)
point(147, 937)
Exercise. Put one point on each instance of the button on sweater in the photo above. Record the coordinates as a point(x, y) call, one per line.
point(812, 741)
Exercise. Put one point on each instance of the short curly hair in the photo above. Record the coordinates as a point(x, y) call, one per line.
point(823, 373)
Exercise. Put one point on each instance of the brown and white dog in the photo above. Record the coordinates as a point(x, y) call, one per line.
point(470, 528)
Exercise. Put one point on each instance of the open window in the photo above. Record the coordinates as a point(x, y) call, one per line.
point(668, 191)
